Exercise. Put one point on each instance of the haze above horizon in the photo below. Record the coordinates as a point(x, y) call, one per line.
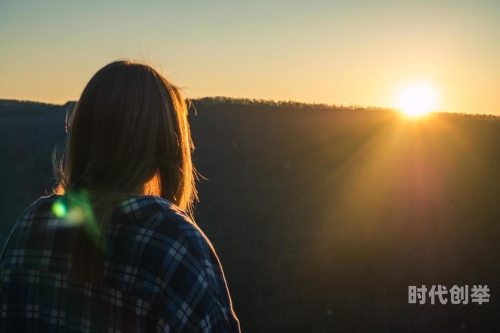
point(333, 52)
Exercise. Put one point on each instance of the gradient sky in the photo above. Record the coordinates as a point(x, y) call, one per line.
point(339, 52)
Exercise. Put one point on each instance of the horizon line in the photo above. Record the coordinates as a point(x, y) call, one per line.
point(270, 102)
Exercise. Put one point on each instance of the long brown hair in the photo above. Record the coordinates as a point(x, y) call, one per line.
point(128, 135)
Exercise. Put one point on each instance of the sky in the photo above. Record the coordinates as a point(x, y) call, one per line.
point(337, 52)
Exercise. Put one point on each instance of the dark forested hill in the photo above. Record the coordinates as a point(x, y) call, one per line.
point(321, 216)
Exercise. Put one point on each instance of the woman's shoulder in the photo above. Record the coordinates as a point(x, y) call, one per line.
point(41, 206)
point(167, 237)
point(139, 209)
point(159, 216)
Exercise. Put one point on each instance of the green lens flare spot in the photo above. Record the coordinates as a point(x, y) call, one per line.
point(59, 209)
point(75, 216)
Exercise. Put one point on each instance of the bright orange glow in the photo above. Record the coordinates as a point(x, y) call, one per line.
point(418, 100)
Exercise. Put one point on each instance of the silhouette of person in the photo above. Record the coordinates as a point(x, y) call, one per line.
point(115, 248)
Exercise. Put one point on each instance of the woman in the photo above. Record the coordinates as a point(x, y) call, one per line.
point(116, 249)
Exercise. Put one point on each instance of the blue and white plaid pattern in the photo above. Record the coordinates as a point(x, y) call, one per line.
point(162, 275)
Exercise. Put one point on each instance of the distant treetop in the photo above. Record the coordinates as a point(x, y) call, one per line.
point(15, 102)
point(222, 100)
point(14, 105)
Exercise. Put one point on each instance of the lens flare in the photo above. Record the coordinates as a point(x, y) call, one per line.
point(59, 209)
point(75, 208)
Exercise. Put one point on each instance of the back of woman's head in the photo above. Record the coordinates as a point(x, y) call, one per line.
point(128, 135)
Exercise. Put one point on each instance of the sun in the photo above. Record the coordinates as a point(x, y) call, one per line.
point(418, 99)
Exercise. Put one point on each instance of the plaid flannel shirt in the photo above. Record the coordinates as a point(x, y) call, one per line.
point(163, 275)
